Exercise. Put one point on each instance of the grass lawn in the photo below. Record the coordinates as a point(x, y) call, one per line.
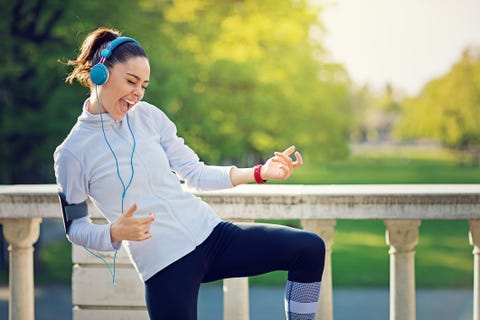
point(360, 254)
point(388, 169)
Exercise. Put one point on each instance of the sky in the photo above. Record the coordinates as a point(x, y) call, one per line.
point(402, 42)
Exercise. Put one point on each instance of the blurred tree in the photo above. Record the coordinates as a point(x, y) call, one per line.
point(256, 81)
point(26, 29)
point(448, 108)
point(37, 108)
point(239, 78)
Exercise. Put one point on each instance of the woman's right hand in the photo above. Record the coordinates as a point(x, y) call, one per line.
point(128, 227)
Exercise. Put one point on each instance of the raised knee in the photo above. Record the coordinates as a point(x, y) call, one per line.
point(310, 262)
point(314, 246)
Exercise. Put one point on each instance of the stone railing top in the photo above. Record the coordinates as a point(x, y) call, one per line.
point(275, 201)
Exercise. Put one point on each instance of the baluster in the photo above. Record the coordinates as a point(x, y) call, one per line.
point(21, 234)
point(474, 236)
point(402, 236)
point(325, 229)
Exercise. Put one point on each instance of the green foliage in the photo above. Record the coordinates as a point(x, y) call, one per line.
point(56, 263)
point(240, 79)
point(448, 108)
point(251, 81)
point(37, 108)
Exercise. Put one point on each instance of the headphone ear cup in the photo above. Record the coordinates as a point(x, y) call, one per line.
point(99, 74)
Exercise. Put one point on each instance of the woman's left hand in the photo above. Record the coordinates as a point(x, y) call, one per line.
point(281, 165)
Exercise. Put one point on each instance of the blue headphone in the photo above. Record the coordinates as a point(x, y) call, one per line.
point(99, 72)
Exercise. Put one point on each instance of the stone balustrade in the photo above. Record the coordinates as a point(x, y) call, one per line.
point(402, 207)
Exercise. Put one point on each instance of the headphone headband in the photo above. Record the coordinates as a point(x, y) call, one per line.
point(99, 72)
point(106, 53)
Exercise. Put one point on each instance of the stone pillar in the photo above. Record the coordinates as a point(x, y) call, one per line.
point(235, 299)
point(474, 236)
point(325, 229)
point(402, 237)
point(236, 304)
point(21, 234)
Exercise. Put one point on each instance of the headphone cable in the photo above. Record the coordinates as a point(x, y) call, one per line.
point(125, 188)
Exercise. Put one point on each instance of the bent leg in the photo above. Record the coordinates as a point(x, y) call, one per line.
point(252, 249)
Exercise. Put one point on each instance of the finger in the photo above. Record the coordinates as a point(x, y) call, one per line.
point(286, 158)
point(131, 210)
point(280, 160)
point(284, 173)
point(283, 156)
point(147, 220)
point(150, 218)
point(289, 150)
point(286, 169)
point(299, 160)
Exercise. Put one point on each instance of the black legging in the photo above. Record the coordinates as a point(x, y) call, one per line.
point(233, 250)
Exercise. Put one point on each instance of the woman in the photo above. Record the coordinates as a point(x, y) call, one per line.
point(124, 152)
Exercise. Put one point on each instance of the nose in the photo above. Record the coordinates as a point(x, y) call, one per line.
point(138, 92)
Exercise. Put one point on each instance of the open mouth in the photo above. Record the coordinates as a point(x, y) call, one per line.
point(126, 105)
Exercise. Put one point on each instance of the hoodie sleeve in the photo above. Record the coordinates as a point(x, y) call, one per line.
point(73, 184)
point(185, 162)
point(94, 236)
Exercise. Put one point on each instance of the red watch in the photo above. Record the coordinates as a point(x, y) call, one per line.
point(257, 174)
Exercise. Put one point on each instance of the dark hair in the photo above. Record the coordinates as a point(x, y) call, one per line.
point(90, 54)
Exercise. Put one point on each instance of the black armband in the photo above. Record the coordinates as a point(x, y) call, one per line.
point(71, 212)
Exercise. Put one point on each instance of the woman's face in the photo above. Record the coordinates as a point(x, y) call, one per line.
point(125, 87)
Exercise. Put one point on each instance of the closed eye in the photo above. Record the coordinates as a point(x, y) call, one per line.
point(137, 79)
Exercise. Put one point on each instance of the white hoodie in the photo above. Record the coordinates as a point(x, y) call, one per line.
point(85, 167)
